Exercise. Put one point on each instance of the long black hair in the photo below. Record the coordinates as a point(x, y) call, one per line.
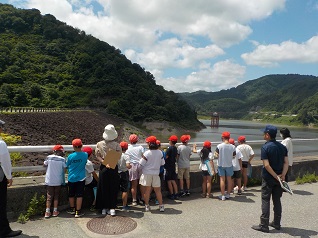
point(285, 132)
point(204, 153)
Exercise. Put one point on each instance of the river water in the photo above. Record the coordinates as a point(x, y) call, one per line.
point(252, 132)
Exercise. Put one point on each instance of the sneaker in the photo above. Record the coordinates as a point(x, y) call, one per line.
point(261, 228)
point(125, 208)
point(182, 193)
point(47, 214)
point(176, 196)
point(222, 197)
point(141, 202)
point(236, 188)
point(112, 212)
point(188, 193)
point(93, 208)
point(244, 188)
point(227, 196)
point(134, 203)
point(71, 211)
point(203, 195)
point(79, 214)
point(55, 213)
point(161, 208)
point(272, 224)
point(171, 196)
point(232, 192)
point(209, 195)
point(104, 211)
point(239, 192)
point(147, 208)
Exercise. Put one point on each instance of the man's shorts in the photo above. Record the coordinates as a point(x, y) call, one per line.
point(237, 174)
point(225, 171)
point(170, 175)
point(123, 181)
point(184, 173)
point(135, 172)
point(150, 180)
point(76, 189)
point(244, 164)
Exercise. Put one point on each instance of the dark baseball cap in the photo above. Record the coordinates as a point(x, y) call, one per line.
point(271, 130)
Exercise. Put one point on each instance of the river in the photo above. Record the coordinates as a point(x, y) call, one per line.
point(252, 132)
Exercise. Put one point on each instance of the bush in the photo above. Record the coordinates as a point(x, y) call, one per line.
point(307, 178)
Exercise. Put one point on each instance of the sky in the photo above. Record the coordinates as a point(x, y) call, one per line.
point(196, 45)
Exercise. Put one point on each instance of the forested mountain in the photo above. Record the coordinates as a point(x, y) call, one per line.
point(275, 94)
point(46, 63)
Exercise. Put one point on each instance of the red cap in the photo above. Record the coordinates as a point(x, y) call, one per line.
point(173, 138)
point(241, 138)
point(151, 139)
point(88, 150)
point(58, 147)
point(232, 141)
point(77, 142)
point(124, 145)
point(226, 134)
point(185, 138)
point(207, 144)
point(133, 138)
point(158, 142)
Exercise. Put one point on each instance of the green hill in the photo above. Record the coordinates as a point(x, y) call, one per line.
point(46, 63)
point(271, 94)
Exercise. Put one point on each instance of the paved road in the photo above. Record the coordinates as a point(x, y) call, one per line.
point(197, 217)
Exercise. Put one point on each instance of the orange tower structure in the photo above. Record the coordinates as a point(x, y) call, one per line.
point(215, 118)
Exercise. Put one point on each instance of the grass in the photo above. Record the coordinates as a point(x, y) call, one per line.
point(307, 178)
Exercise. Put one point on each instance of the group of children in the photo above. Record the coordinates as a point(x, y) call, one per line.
point(147, 168)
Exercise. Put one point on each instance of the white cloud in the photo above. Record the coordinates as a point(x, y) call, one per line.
point(271, 55)
point(222, 75)
point(163, 35)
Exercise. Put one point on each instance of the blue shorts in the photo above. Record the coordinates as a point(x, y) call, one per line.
point(225, 171)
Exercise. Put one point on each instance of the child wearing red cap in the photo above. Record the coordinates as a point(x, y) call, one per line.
point(76, 163)
point(248, 155)
point(170, 167)
point(151, 161)
point(205, 154)
point(54, 178)
point(91, 179)
point(135, 152)
point(123, 166)
point(183, 159)
point(225, 152)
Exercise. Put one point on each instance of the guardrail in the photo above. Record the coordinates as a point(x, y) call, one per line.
point(48, 148)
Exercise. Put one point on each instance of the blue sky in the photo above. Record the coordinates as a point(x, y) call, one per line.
point(199, 45)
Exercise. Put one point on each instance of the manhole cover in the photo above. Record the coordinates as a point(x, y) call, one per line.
point(111, 225)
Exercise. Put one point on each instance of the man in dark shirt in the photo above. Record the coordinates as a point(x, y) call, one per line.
point(275, 164)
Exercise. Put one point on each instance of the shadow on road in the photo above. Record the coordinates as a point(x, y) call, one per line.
point(302, 192)
point(292, 231)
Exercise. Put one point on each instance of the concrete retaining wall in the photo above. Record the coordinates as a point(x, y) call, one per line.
point(21, 194)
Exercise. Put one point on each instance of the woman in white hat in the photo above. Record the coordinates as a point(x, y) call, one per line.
point(108, 184)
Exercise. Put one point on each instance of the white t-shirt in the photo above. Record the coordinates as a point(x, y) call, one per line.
point(235, 161)
point(151, 166)
point(89, 169)
point(289, 145)
point(55, 170)
point(246, 151)
point(135, 152)
point(5, 161)
point(122, 163)
point(184, 153)
point(226, 154)
point(203, 166)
